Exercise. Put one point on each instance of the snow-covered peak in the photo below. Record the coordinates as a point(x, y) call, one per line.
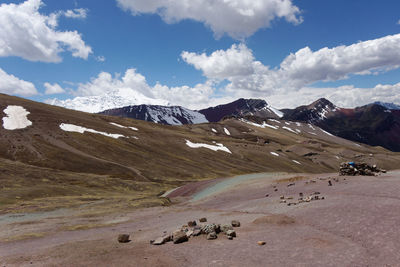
point(110, 100)
point(391, 106)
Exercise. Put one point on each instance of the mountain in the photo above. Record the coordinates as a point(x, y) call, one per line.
point(241, 108)
point(52, 157)
point(116, 98)
point(313, 113)
point(388, 105)
point(371, 124)
point(169, 115)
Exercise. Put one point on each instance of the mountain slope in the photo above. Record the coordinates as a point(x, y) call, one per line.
point(388, 105)
point(169, 115)
point(241, 108)
point(65, 157)
point(371, 124)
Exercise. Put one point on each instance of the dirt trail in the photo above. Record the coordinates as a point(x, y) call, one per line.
point(355, 225)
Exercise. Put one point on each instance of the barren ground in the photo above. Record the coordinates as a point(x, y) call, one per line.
point(356, 225)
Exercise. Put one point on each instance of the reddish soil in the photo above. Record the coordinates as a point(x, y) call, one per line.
point(356, 225)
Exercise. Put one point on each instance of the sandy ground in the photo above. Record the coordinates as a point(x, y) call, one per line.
point(355, 225)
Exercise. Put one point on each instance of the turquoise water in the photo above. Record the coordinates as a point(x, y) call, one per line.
point(231, 182)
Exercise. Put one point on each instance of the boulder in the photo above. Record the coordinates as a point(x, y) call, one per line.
point(235, 223)
point(261, 243)
point(211, 236)
point(210, 228)
point(192, 223)
point(179, 237)
point(162, 240)
point(231, 233)
point(123, 238)
point(196, 231)
point(226, 227)
point(203, 220)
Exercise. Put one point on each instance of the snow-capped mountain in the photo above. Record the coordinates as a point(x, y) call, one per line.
point(391, 106)
point(170, 115)
point(112, 99)
point(313, 113)
point(242, 108)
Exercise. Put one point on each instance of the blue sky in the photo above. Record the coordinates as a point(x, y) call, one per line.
point(142, 35)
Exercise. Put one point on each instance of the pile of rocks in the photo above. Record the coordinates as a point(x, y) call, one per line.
point(352, 169)
point(192, 229)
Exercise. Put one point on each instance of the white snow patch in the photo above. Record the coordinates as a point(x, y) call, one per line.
point(79, 129)
point(275, 154)
point(274, 120)
point(276, 111)
point(125, 127)
point(289, 129)
point(357, 144)
point(261, 125)
point(295, 161)
point(212, 147)
point(287, 123)
point(326, 132)
point(298, 124)
point(212, 129)
point(17, 118)
point(337, 157)
point(312, 127)
point(227, 131)
point(297, 130)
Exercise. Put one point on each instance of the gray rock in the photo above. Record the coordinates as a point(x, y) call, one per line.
point(231, 233)
point(212, 235)
point(235, 223)
point(192, 223)
point(162, 240)
point(179, 237)
point(196, 231)
point(226, 227)
point(209, 228)
point(123, 238)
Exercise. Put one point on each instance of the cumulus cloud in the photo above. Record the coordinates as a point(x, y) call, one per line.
point(52, 89)
point(303, 68)
point(237, 18)
point(14, 86)
point(26, 33)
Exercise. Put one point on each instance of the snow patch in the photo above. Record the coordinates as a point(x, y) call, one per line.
point(298, 124)
point(276, 111)
point(125, 127)
point(212, 147)
point(275, 154)
point(214, 131)
point(261, 125)
point(295, 161)
point(17, 118)
point(274, 120)
point(297, 130)
point(227, 131)
point(289, 129)
point(326, 132)
point(79, 129)
point(312, 127)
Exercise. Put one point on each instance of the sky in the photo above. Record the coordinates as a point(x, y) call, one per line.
point(200, 53)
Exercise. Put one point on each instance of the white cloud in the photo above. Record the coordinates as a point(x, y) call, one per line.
point(77, 13)
point(52, 89)
point(100, 58)
point(26, 33)
point(237, 18)
point(14, 86)
point(305, 67)
point(343, 96)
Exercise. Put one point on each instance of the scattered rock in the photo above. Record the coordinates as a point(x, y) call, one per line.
point(282, 197)
point(123, 238)
point(276, 189)
point(203, 220)
point(291, 184)
point(189, 233)
point(196, 231)
point(261, 243)
point(212, 235)
point(329, 183)
point(230, 237)
point(235, 223)
point(179, 237)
